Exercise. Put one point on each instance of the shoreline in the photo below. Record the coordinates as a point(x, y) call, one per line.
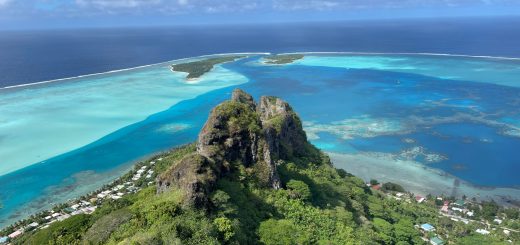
point(260, 53)
point(133, 179)
point(125, 69)
point(421, 179)
point(407, 53)
point(125, 175)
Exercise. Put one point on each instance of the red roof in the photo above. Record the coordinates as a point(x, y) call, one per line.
point(417, 198)
point(376, 187)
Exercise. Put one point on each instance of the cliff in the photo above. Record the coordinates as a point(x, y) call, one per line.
point(239, 132)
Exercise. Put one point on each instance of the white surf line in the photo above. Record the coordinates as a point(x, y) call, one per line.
point(426, 54)
point(128, 69)
point(257, 53)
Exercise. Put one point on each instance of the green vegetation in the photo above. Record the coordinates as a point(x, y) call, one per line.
point(389, 186)
point(198, 68)
point(246, 119)
point(319, 205)
point(68, 231)
point(239, 196)
point(282, 58)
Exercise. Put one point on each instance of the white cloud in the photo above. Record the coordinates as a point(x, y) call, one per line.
point(363, 4)
point(117, 3)
point(173, 6)
point(4, 3)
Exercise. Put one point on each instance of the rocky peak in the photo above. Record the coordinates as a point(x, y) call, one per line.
point(239, 131)
point(271, 106)
point(240, 96)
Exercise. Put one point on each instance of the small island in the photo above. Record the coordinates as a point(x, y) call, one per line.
point(196, 69)
point(281, 59)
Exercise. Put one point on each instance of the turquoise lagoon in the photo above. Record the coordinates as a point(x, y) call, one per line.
point(436, 124)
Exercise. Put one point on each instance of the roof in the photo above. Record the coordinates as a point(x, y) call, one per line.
point(3, 239)
point(437, 240)
point(15, 234)
point(460, 202)
point(427, 227)
point(482, 231)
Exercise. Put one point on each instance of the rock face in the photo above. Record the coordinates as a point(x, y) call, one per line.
point(194, 174)
point(238, 132)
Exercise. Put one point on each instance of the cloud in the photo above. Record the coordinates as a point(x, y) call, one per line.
point(172, 6)
point(4, 3)
point(117, 3)
point(378, 4)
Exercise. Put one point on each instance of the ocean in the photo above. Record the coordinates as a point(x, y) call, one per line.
point(424, 121)
point(34, 56)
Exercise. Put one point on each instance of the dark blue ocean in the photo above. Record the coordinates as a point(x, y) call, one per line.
point(33, 56)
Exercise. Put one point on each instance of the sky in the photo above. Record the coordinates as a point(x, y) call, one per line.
point(48, 14)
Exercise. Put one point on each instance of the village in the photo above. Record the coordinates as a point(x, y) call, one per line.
point(141, 176)
point(457, 210)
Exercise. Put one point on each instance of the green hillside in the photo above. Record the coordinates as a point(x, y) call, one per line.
point(252, 178)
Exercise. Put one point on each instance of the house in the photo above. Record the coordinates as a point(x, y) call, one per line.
point(444, 208)
point(457, 209)
point(419, 199)
point(63, 217)
point(470, 213)
point(436, 241)
point(498, 221)
point(427, 227)
point(482, 231)
point(115, 197)
point(376, 187)
point(459, 203)
point(15, 234)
